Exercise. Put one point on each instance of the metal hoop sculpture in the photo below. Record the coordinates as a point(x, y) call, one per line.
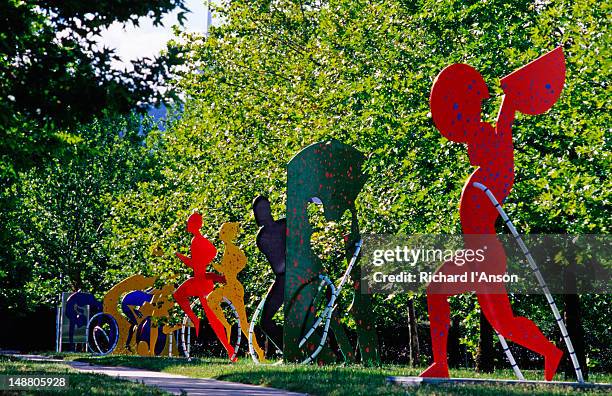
point(327, 313)
point(254, 320)
point(186, 330)
point(539, 277)
point(111, 340)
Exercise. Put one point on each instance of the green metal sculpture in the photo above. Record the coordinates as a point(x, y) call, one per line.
point(331, 172)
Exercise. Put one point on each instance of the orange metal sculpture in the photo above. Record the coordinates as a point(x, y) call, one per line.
point(234, 261)
point(159, 307)
point(111, 306)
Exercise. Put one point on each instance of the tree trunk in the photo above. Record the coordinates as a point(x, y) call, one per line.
point(484, 356)
point(571, 316)
point(413, 332)
point(454, 346)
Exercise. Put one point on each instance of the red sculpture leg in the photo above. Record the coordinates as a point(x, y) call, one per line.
point(498, 311)
point(181, 296)
point(218, 328)
point(438, 309)
point(193, 287)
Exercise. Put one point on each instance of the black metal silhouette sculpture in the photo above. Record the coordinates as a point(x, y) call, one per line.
point(271, 241)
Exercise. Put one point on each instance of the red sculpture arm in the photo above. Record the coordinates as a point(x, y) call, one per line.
point(187, 260)
point(213, 276)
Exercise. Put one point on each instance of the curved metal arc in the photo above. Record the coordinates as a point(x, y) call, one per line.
point(254, 320)
point(327, 313)
point(539, 277)
point(116, 333)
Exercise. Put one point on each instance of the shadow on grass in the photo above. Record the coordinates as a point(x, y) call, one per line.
point(354, 382)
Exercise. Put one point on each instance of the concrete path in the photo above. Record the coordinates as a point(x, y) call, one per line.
point(173, 383)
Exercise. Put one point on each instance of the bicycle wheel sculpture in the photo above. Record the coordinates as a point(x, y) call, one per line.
point(256, 321)
point(102, 334)
point(143, 339)
point(323, 305)
point(186, 338)
point(324, 314)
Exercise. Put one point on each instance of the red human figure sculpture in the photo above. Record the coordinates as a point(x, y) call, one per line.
point(202, 284)
point(456, 99)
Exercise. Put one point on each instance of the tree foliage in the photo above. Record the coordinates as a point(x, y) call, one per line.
point(53, 74)
point(54, 78)
point(57, 228)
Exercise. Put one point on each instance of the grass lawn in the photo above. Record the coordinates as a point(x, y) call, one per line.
point(331, 380)
point(79, 383)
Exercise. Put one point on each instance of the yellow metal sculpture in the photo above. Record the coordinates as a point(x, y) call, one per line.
point(233, 261)
point(133, 309)
point(111, 306)
point(159, 307)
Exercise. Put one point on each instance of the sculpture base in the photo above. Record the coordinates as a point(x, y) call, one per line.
point(418, 381)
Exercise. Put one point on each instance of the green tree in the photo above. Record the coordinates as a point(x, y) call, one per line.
point(58, 228)
point(54, 75)
point(54, 78)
